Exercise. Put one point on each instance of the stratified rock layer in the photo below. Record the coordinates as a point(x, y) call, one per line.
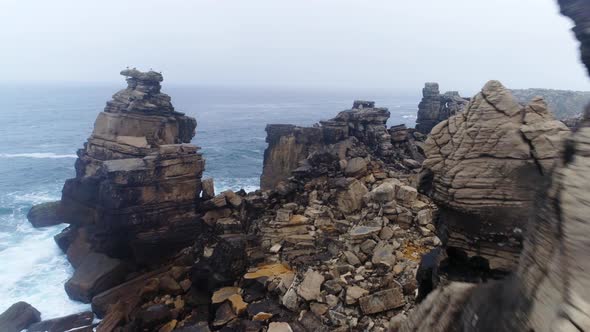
point(550, 291)
point(483, 166)
point(289, 145)
point(435, 107)
point(137, 180)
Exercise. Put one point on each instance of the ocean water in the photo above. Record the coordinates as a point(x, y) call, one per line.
point(42, 126)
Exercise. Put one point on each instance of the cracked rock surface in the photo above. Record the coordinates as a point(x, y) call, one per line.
point(483, 164)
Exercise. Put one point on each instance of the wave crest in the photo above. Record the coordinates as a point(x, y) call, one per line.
point(37, 155)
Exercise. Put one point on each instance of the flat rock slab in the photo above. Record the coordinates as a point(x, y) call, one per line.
point(382, 301)
point(63, 323)
point(310, 288)
point(279, 327)
point(18, 317)
point(223, 294)
point(361, 232)
point(96, 274)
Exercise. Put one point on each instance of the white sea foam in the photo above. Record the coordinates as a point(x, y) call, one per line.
point(32, 267)
point(34, 270)
point(37, 155)
point(33, 198)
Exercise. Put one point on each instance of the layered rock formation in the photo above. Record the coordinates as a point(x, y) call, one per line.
point(134, 199)
point(483, 166)
point(138, 180)
point(435, 107)
point(334, 248)
point(289, 146)
point(549, 291)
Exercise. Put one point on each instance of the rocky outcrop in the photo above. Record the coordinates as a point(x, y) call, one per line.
point(138, 180)
point(435, 107)
point(45, 214)
point(18, 317)
point(289, 146)
point(483, 166)
point(336, 241)
point(94, 275)
point(549, 290)
point(66, 323)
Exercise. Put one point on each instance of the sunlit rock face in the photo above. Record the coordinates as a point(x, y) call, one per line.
point(138, 179)
point(484, 166)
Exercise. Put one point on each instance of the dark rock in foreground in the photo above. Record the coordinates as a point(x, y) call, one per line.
point(18, 317)
point(96, 274)
point(45, 214)
point(65, 323)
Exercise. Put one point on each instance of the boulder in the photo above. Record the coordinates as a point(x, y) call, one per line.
point(351, 199)
point(18, 317)
point(65, 323)
point(482, 168)
point(382, 301)
point(44, 214)
point(154, 315)
point(96, 274)
point(310, 288)
point(208, 189)
point(279, 327)
point(356, 167)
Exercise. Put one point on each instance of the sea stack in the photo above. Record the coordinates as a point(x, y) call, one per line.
point(138, 180)
point(435, 107)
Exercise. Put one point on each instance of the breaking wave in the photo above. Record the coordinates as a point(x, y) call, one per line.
point(37, 155)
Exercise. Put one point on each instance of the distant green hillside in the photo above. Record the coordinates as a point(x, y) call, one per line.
point(563, 103)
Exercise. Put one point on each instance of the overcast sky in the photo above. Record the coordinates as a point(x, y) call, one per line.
point(391, 44)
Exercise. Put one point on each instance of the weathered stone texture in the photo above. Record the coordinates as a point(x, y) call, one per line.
point(483, 166)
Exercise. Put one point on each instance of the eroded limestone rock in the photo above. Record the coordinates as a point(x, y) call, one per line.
point(483, 166)
point(138, 181)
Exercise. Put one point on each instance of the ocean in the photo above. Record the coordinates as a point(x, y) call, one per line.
point(42, 126)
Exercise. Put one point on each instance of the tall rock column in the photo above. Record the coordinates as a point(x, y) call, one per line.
point(435, 107)
point(138, 179)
